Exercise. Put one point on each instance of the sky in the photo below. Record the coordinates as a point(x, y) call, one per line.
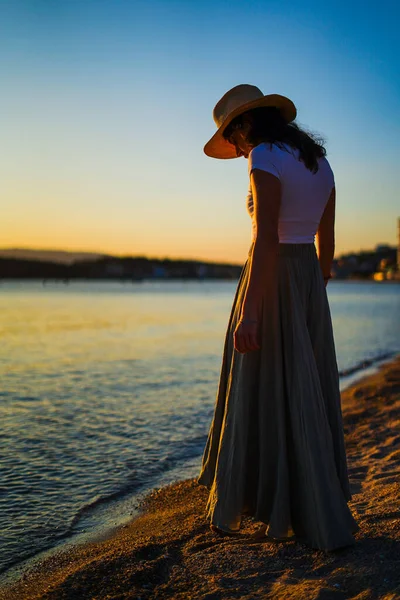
point(106, 107)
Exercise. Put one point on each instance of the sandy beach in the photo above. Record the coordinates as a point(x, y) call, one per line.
point(170, 552)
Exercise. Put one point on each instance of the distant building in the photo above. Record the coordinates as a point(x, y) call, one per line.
point(114, 269)
point(379, 276)
point(382, 248)
point(202, 271)
point(159, 272)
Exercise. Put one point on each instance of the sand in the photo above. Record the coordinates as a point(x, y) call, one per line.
point(170, 552)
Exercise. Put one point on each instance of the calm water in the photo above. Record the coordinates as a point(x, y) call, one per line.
point(106, 388)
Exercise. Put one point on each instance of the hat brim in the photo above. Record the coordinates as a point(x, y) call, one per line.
point(219, 147)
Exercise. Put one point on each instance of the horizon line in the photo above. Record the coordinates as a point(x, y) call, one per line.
point(160, 257)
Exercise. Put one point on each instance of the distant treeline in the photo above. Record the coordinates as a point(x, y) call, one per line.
point(361, 265)
point(129, 268)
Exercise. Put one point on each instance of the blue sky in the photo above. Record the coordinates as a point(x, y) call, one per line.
point(107, 105)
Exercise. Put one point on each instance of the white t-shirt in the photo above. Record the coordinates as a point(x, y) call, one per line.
point(304, 194)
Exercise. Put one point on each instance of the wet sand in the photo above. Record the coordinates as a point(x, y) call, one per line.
point(170, 552)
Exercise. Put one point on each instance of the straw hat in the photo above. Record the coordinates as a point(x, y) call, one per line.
point(235, 102)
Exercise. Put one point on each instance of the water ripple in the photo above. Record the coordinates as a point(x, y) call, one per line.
point(103, 391)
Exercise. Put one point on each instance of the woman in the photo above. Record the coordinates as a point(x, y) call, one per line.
point(275, 448)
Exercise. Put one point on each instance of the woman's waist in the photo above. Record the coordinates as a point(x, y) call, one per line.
point(295, 249)
point(294, 230)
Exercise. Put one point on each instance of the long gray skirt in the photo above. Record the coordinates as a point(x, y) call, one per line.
point(275, 448)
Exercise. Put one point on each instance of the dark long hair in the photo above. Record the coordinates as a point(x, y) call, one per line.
point(268, 125)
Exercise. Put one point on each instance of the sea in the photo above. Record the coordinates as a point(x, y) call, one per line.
point(107, 391)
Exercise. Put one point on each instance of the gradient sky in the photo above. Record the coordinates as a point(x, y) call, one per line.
point(106, 106)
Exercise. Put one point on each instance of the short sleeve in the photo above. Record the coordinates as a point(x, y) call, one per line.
point(330, 177)
point(263, 157)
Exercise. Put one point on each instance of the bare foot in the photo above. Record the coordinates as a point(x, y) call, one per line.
point(261, 534)
point(221, 532)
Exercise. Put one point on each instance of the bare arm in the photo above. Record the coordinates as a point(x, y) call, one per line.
point(326, 236)
point(266, 191)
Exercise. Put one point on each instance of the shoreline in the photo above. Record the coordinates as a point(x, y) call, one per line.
point(113, 514)
point(153, 548)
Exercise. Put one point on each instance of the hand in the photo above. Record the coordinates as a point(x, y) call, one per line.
point(245, 337)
